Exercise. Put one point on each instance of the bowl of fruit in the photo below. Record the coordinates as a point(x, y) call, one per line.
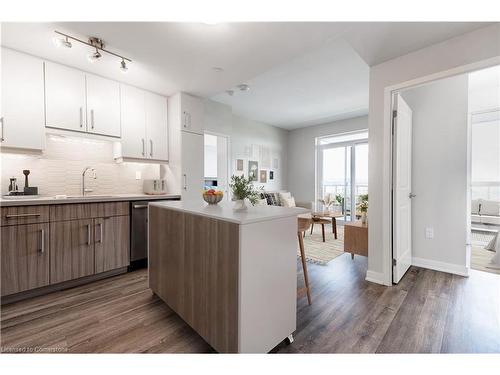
point(212, 196)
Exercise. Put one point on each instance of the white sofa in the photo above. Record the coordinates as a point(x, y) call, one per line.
point(485, 212)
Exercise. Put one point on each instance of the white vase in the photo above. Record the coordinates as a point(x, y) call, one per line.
point(239, 205)
point(363, 218)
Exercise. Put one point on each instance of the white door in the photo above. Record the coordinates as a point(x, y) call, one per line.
point(103, 106)
point(156, 127)
point(401, 251)
point(22, 117)
point(191, 114)
point(64, 97)
point(192, 180)
point(133, 113)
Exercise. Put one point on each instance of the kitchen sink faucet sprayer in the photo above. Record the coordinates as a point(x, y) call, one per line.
point(94, 176)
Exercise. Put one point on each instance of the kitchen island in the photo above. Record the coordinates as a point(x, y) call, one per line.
point(232, 276)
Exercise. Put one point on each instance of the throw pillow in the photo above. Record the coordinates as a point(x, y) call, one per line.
point(288, 202)
point(283, 196)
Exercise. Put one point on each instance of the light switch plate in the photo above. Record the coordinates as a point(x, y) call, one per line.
point(429, 233)
point(138, 175)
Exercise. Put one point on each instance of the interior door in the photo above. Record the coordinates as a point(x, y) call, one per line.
point(402, 130)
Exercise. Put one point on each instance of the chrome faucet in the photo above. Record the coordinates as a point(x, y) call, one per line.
point(83, 179)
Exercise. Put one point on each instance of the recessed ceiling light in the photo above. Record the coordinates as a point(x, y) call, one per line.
point(217, 69)
point(243, 87)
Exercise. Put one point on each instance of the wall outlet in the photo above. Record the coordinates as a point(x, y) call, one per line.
point(138, 175)
point(429, 233)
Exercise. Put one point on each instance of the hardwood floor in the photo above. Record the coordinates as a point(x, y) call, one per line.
point(427, 312)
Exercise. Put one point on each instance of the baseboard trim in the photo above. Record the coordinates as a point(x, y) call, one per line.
point(375, 277)
point(440, 266)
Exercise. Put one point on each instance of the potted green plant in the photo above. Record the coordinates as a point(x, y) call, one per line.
point(363, 207)
point(340, 200)
point(242, 188)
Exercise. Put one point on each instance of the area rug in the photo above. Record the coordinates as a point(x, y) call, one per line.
point(480, 260)
point(320, 252)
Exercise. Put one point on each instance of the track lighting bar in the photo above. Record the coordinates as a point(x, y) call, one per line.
point(93, 45)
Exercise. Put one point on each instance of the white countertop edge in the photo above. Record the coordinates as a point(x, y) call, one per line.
point(97, 199)
point(225, 212)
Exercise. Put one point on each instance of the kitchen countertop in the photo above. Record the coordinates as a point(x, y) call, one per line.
point(79, 199)
point(224, 211)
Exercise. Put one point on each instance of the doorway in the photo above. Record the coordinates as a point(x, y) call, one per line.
point(216, 162)
point(433, 216)
point(342, 172)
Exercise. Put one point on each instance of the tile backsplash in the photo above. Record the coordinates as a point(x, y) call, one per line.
point(58, 170)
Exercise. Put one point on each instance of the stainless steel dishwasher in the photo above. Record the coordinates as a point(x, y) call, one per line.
point(139, 233)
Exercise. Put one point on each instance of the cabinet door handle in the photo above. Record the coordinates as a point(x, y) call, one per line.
point(100, 232)
point(92, 118)
point(140, 206)
point(185, 119)
point(42, 239)
point(88, 234)
point(151, 148)
point(185, 181)
point(81, 117)
point(14, 216)
point(2, 123)
point(143, 147)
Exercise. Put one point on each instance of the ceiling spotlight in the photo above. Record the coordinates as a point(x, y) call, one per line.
point(243, 87)
point(230, 92)
point(93, 57)
point(123, 66)
point(62, 42)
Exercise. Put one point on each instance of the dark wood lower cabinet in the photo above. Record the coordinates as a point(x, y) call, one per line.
point(72, 250)
point(25, 257)
point(112, 243)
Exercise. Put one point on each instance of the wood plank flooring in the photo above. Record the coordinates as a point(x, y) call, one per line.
point(428, 312)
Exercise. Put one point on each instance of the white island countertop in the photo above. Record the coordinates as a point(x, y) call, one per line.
point(224, 211)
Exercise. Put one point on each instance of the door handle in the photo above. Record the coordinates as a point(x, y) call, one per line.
point(185, 181)
point(88, 234)
point(143, 147)
point(100, 232)
point(185, 119)
point(151, 148)
point(92, 118)
point(21, 215)
point(42, 239)
point(81, 117)
point(411, 195)
point(2, 123)
point(140, 206)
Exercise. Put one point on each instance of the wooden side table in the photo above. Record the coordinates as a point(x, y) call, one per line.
point(356, 238)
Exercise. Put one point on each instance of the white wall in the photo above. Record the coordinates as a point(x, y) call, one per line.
point(466, 49)
point(439, 171)
point(244, 134)
point(301, 154)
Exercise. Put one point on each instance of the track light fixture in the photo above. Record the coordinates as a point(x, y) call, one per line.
point(96, 43)
point(123, 66)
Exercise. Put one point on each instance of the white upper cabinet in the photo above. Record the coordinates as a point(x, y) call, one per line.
point(103, 106)
point(133, 119)
point(144, 125)
point(22, 117)
point(191, 113)
point(156, 126)
point(65, 106)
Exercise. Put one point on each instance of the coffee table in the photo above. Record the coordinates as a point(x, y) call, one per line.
point(317, 216)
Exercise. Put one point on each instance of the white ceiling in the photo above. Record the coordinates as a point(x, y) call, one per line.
point(301, 73)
